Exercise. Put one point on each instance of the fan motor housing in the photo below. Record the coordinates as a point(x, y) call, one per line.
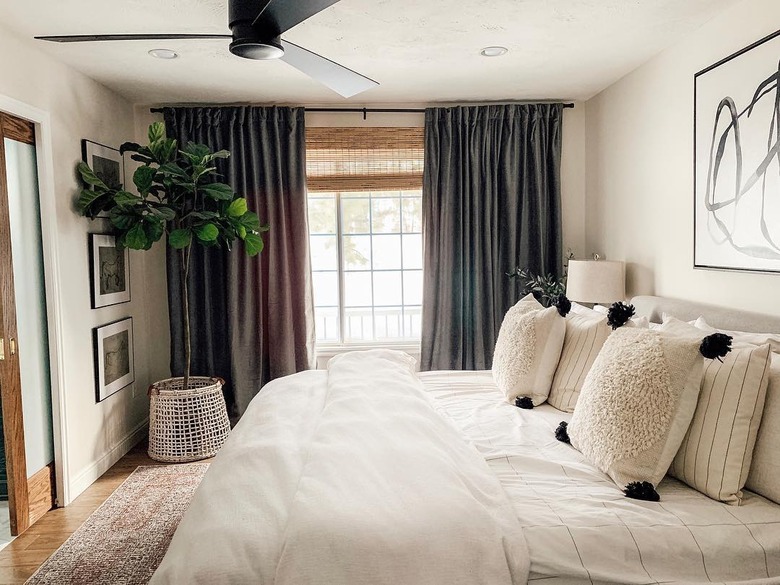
point(253, 48)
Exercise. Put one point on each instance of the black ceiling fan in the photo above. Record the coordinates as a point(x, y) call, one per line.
point(256, 27)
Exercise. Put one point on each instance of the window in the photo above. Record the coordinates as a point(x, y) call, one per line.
point(365, 230)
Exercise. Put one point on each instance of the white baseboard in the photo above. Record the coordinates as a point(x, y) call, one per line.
point(92, 473)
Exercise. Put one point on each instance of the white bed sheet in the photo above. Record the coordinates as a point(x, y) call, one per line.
point(579, 526)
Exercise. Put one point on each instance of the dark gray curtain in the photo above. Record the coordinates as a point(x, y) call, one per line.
point(251, 317)
point(491, 201)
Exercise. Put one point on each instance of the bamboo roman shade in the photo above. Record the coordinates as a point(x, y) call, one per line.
point(364, 159)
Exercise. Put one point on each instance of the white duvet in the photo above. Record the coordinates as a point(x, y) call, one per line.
point(348, 478)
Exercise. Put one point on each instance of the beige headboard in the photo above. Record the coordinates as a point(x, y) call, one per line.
point(719, 317)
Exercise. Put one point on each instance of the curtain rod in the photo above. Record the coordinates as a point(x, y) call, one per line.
point(364, 111)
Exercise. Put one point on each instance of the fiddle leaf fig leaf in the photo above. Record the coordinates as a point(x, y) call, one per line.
point(205, 214)
point(174, 170)
point(251, 222)
point(207, 232)
point(218, 191)
point(90, 178)
point(164, 213)
point(215, 155)
point(86, 198)
point(130, 147)
point(135, 238)
point(154, 230)
point(156, 131)
point(253, 244)
point(143, 179)
point(123, 198)
point(121, 218)
point(237, 208)
point(180, 238)
point(198, 152)
point(141, 158)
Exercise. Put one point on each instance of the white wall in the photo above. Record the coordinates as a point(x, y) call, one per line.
point(640, 168)
point(97, 434)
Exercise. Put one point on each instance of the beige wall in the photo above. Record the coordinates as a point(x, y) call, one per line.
point(640, 168)
point(97, 434)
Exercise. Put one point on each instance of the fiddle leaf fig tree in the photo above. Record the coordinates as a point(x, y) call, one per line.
point(180, 197)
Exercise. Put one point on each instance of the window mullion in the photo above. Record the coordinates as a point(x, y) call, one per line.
point(371, 244)
point(340, 248)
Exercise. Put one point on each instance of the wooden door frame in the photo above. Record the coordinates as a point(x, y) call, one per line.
point(51, 263)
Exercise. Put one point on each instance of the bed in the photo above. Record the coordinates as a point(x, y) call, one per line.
point(327, 481)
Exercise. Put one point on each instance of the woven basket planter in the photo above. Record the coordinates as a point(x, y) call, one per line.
point(187, 425)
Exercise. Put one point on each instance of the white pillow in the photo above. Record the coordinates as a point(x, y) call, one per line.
point(636, 404)
point(764, 475)
point(715, 455)
point(583, 340)
point(773, 339)
point(583, 311)
point(601, 311)
point(527, 350)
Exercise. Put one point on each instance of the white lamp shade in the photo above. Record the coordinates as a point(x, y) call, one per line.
point(596, 281)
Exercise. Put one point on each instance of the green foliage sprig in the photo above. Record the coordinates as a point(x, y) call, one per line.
point(546, 288)
point(179, 194)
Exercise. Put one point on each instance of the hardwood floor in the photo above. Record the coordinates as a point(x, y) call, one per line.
point(27, 552)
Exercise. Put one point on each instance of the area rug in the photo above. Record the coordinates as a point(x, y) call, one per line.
point(125, 539)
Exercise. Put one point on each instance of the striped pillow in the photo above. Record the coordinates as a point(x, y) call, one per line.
point(715, 455)
point(764, 477)
point(584, 337)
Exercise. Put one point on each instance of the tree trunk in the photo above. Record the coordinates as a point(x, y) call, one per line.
point(185, 301)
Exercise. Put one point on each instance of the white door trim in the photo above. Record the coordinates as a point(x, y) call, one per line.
point(51, 264)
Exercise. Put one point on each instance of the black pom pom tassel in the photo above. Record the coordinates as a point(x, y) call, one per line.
point(561, 433)
point(563, 305)
point(715, 346)
point(619, 314)
point(524, 402)
point(642, 490)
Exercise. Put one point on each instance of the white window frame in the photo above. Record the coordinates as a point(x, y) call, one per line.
point(331, 348)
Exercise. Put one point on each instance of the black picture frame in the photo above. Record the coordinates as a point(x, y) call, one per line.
point(109, 271)
point(733, 108)
point(107, 162)
point(114, 357)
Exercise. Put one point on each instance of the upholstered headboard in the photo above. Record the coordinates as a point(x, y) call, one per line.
point(718, 317)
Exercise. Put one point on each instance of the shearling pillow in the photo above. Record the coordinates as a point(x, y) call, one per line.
point(527, 350)
point(636, 404)
point(584, 337)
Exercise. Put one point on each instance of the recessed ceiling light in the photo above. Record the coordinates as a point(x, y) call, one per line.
point(493, 51)
point(163, 53)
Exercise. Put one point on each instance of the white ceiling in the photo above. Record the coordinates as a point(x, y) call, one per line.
point(421, 51)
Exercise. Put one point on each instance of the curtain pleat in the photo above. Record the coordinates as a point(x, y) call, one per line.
point(251, 318)
point(491, 201)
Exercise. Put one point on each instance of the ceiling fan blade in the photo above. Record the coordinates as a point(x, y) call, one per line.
point(279, 16)
point(141, 37)
point(337, 77)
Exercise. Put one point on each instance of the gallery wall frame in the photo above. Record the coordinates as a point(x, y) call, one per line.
point(107, 162)
point(109, 271)
point(736, 163)
point(114, 363)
